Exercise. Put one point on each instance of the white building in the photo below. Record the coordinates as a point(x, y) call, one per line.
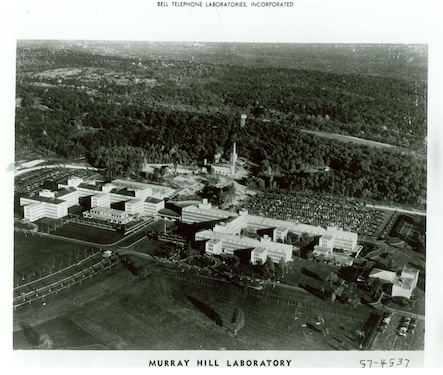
point(69, 195)
point(337, 246)
point(383, 275)
point(224, 169)
point(135, 207)
point(230, 242)
point(259, 255)
point(42, 206)
point(214, 246)
point(232, 225)
point(108, 214)
point(343, 240)
point(276, 250)
point(405, 283)
point(101, 200)
point(34, 211)
point(138, 198)
point(204, 212)
point(279, 233)
point(152, 206)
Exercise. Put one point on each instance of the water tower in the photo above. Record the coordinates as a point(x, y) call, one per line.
point(243, 120)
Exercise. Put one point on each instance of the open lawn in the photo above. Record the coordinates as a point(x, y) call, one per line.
point(168, 309)
point(173, 310)
point(31, 250)
point(87, 233)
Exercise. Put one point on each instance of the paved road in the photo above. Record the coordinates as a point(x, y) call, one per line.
point(406, 313)
point(412, 212)
point(70, 166)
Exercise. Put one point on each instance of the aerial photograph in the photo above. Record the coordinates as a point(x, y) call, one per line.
point(219, 196)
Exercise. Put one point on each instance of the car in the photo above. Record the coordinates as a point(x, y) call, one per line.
point(402, 330)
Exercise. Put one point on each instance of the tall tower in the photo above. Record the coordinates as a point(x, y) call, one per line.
point(243, 121)
point(234, 154)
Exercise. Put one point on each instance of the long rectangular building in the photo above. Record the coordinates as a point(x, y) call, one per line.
point(229, 243)
point(204, 212)
point(40, 206)
point(108, 214)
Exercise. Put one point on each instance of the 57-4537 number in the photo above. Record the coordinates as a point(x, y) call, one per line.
point(391, 362)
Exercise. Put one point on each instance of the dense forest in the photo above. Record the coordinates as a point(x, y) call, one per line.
point(120, 111)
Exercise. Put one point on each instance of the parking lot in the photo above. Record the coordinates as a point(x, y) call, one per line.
point(320, 211)
point(32, 181)
point(401, 333)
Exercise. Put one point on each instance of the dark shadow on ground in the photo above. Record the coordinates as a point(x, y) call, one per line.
point(207, 310)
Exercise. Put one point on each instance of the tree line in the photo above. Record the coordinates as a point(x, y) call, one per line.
point(193, 112)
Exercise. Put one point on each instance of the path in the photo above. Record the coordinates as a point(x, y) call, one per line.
point(412, 212)
point(70, 166)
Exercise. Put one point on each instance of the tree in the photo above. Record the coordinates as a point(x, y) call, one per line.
point(304, 239)
point(268, 268)
point(377, 286)
point(360, 334)
point(332, 278)
point(235, 261)
point(238, 318)
point(283, 265)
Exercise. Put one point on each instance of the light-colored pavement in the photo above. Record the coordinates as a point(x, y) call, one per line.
point(70, 166)
point(412, 212)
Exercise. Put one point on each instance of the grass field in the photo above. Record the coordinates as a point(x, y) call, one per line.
point(160, 312)
point(32, 250)
point(168, 309)
point(89, 234)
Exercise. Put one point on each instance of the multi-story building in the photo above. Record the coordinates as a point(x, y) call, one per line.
point(135, 207)
point(34, 211)
point(101, 200)
point(402, 285)
point(214, 246)
point(259, 255)
point(224, 169)
point(138, 198)
point(204, 212)
point(279, 233)
point(337, 246)
point(405, 283)
point(138, 190)
point(230, 243)
point(46, 204)
point(108, 214)
point(276, 250)
point(69, 195)
point(346, 241)
point(256, 222)
point(152, 206)
point(233, 225)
